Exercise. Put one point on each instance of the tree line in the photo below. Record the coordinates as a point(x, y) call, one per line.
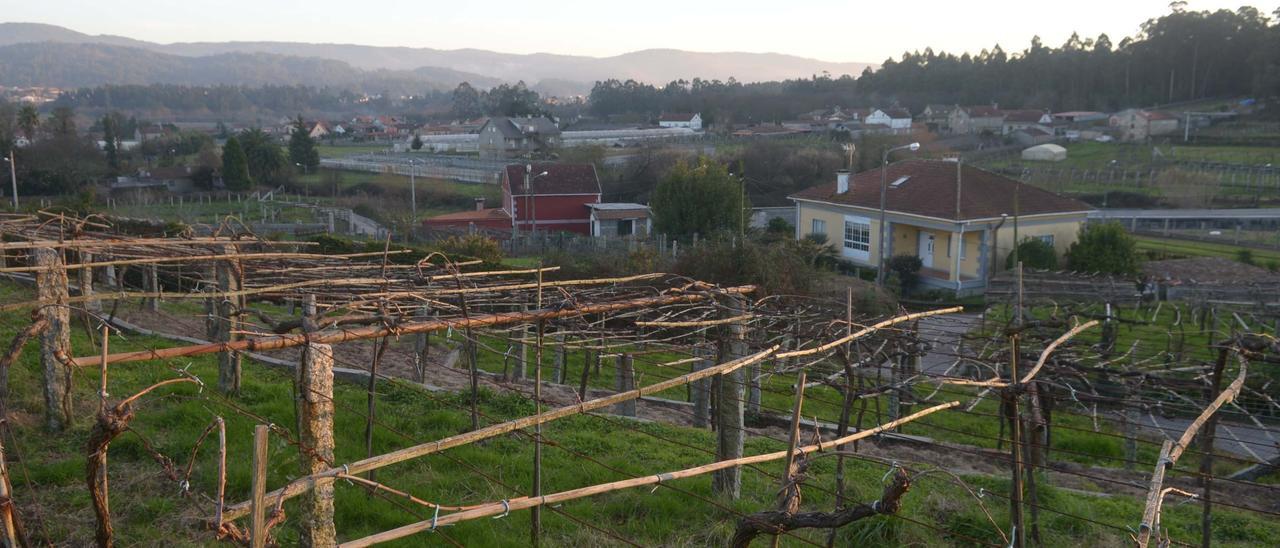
point(1182, 55)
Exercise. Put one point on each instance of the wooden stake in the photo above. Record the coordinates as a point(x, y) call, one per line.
point(228, 325)
point(6, 512)
point(1206, 452)
point(258, 526)
point(51, 286)
point(316, 412)
point(625, 376)
point(222, 472)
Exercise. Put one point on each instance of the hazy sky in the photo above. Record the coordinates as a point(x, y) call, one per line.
point(825, 29)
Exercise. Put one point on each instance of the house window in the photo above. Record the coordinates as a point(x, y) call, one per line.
point(964, 247)
point(819, 227)
point(1047, 238)
point(626, 227)
point(857, 236)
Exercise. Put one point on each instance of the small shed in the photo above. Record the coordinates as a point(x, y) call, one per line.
point(1047, 152)
point(620, 219)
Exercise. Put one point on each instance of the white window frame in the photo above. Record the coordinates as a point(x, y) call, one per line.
point(964, 247)
point(1046, 238)
point(818, 226)
point(856, 238)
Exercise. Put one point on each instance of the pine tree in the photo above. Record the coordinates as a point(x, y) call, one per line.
point(417, 142)
point(302, 148)
point(235, 166)
point(110, 138)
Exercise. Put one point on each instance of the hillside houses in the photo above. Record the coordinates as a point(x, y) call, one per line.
point(504, 137)
point(1139, 125)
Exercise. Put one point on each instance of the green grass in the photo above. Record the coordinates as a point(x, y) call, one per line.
point(49, 491)
point(1188, 248)
point(340, 151)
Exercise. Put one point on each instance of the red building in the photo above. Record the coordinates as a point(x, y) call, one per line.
point(550, 197)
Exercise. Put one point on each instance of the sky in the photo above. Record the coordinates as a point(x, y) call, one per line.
point(823, 29)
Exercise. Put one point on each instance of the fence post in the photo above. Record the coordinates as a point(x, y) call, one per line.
point(557, 375)
point(84, 279)
point(315, 412)
point(258, 504)
point(152, 284)
point(730, 408)
point(422, 347)
point(701, 396)
point(625, 375)
point(228, 322)
point(51, 286)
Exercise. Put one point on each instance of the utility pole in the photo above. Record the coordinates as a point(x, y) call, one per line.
point(413, 193)
point(13, 177)
point(884, 188)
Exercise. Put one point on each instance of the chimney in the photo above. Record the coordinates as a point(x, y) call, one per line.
point(480, 203)
point(842, 181)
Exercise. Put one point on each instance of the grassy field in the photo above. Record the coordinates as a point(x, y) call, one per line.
point(1094, 155)
point(48, 470)
point(1187, 248)
point(340, 151)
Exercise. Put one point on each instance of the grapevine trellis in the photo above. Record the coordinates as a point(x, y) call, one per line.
point(722, 344)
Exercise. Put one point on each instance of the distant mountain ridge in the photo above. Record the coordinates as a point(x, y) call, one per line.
point(480, 67)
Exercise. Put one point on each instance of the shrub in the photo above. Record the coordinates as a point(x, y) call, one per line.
point(1245, 256)
point(1104, 248)
point(907, 268)
point(473, 245)
point(1034, 253)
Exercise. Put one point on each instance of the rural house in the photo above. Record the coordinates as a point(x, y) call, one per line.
point(620, 220)
point(977, 119)
point(896, 119)
point(1015, 120)
point(937, 117)
point(958, 219)
point(1140, 125)
point(681, 119)
point(503, 137)
point(551, 197)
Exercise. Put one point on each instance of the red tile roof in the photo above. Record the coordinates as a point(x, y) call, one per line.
point(983, 111)
point(930, 191)
point(1158, 115)
point(481, 215)
point(1026, 115)
point(560, 179)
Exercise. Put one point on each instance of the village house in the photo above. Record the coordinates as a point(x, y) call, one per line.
point(957, 218)
point(977, 119)
point(937, 117)
point(681, 119)
point(503, 137)
point(1139, 125)
point(548, 197)
point(896, 119)
point(1015, 120)
point(620, 220)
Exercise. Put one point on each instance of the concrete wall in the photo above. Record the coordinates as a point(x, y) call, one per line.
point(834, 218)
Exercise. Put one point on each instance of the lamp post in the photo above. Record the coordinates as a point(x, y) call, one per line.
point(884, 187)
point(413, 191)
point(528, 195)
point(13, 177)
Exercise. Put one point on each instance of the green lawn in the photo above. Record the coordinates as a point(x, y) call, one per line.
point(48, 469)
point(340, 151)
point(1188, 248)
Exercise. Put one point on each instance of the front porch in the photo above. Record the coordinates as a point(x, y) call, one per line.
point(950, 259)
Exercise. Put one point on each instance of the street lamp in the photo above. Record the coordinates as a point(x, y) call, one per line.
point(13, 177)
point(528, 196)
point(884, 187)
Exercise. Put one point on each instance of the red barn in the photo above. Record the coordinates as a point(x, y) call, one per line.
point(551, 197)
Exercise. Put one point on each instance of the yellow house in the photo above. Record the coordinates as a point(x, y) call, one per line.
point(958, 219)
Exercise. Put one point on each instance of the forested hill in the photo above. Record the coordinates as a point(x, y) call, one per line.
point(1183, 55)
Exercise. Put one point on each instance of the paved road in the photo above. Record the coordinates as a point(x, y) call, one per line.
point(943, 334)
point(1245, 440)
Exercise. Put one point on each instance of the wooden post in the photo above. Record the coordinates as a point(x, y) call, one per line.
point(626, 381)
point(557, 374)
point(228, 323)
point(315, 413)
point(258, 522)
point(701, 396)
point(1206, 450)
point(6, 511)
point(222, 473)
point(51, 286)
point(421, 347)
point(730, 408)
point(84, 279)
point(786, 494)
point(1015, 445)
point(588, 356)
point(523, 365)
point(152, 273)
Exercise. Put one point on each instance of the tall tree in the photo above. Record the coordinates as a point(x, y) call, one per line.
point(235, 166)
point(701, 198)
point(29, 121)
point(302, 148)
point(111, 142)
point(267, 161)
point(466, 102)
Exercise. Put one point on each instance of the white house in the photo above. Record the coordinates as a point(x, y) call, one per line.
point(897, 119)
point(681, 119)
